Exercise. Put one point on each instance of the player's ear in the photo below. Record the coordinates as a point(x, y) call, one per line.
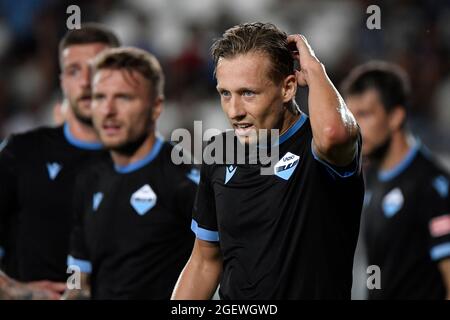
point(289, 88)
point(397, 117)
point(157, 108)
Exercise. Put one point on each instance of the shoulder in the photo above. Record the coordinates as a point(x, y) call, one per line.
point(431, 174)
point(428, 161)
point(177, 163)
point(37, 134)
point(22, 142)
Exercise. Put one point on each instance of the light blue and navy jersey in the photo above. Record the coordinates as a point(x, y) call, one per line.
point(288, 235)
point(37, 177)
point(407, 227)
point(132, 225)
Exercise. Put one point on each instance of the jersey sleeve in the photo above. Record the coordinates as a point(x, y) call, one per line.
point(204, 222)
point(437, 209)
point(78, 252)
point(8, 187)
point(337, 172)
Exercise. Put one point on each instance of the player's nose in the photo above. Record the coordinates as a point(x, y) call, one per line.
point(109, 107)
point(85, 79)
point(236, 110)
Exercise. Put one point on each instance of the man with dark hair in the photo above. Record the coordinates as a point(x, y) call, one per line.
point(89, 33)
point(81, 42)
point(133, 210)
point(406, 224)
point(37, 175)
point(292, 234)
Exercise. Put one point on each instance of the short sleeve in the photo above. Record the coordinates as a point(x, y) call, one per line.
point(204, 222)
point(436, 204)
point(351, 170)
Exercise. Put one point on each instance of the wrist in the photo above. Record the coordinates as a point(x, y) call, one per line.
point(5, 281)
point(8, 287)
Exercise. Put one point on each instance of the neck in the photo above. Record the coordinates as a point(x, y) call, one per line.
point(124, 159)
point(398, 149)
point(288, 121)
point(82, 131)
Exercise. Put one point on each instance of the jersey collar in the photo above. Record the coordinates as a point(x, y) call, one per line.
point(387, 175)
point(80, 143)
point(289, 133)
point(144, 161)
point(293, 129)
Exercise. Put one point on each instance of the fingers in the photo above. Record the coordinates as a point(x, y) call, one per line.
point(38, 293)
point(46, 295)
point(57, 286)
point(49, 285)
point(301, 79)
point(302, 45)
point(40, 290)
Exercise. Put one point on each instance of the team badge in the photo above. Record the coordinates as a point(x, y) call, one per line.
point(392, 202)
point(96, 200)
point(143, 200)
point(286, 166)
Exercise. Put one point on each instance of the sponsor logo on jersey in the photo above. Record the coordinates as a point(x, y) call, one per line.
point(229, 172)
point(53, 170)
point(441, 185)
point(194, 176)
point(286, 166)
point(96, 200)
point(143, 200)
point(392, 202)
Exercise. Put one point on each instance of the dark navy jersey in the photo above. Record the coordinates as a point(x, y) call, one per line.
point(406, 227)
point(132, 225)
point(289, 235)
point(37, 176)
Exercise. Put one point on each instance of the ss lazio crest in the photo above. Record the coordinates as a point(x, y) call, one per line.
point(286, 166)
point(392, 202)
point(143, 200)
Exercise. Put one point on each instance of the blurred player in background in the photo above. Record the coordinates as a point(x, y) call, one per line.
point(133, 210)
point(406, 221)
point(37, 176)
point(293, 234)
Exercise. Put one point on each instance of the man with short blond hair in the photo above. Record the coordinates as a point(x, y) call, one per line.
point(133, 209)
point(292, 234)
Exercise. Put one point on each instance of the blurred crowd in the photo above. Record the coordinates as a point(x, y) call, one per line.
point(414, 34)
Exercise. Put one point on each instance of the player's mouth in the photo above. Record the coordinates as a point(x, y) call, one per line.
point(86, 98)
point(111, 128)
point(243, 128)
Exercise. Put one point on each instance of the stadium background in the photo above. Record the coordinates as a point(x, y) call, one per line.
point(414, 34)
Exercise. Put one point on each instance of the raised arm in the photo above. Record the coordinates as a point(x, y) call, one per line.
point(334, 127)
